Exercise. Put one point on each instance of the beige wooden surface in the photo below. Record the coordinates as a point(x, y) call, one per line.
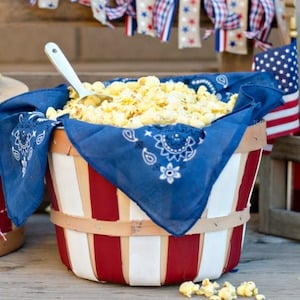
point(36, 272)
point(10, 87)
point(274, 212)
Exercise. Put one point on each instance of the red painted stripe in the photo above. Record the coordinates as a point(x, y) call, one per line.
point(50, 190)
point(60, 236)
point(104, 203)
point(5, 222)
point(182, 261)
point(244, 193)
point(62, 247)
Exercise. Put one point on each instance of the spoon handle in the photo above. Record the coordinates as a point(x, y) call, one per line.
point(64, 67)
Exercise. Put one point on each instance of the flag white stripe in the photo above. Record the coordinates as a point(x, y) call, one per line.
point(282, 113)
point(291, 97)
point(283, 127)
point(268, 148)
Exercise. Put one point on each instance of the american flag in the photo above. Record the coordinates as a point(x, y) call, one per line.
point(283, 63)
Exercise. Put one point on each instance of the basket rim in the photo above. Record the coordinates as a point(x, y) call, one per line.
point(253, 139)
point(14, 240)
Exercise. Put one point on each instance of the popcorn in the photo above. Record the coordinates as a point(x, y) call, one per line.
point(260, 297)
point(145, 101)
point(227, 292)
point(188, 288)
point(208, 288)
point(213, 291)
point(247, 289)
point(215, 297)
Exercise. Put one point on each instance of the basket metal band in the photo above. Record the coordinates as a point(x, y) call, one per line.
point(144, 227)
point(14, 240)
point(254, 138)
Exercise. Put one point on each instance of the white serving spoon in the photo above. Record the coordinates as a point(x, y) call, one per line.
point(63, 66)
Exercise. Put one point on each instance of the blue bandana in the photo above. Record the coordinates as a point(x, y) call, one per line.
point(167, 170)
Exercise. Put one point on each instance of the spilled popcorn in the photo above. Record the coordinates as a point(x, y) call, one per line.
point(145, 101)
point(188, 288)
point(213, 291)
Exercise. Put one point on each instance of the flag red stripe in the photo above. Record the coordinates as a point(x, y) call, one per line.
point(281, 121)
point(290, 104)
point(274, 136)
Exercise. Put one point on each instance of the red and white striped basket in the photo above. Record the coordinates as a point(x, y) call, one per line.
point(102, 235)
point(11, 237)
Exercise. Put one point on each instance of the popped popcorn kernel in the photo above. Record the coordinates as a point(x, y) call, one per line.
point(188, 288)
point(51, 113)
point(146, 101)
point(208, 288)
point(214, 297)
point(247, 289)
point(260, 297)
point(227, 292)
point(213, 291)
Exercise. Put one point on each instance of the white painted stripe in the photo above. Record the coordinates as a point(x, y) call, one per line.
point(67, 186)
point(68, 190)
point(220, 202)
point(144, 254)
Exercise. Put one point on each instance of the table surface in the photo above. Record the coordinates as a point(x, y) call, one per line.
point(36, 272)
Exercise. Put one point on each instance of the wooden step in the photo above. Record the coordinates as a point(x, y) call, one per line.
point(37, 76)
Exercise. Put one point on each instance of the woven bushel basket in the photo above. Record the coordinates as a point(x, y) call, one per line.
point(11, 237)
point(102, 235)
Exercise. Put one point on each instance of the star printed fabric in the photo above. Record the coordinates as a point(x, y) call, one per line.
point(167, 170)
point(144, 16)
point(189, 24)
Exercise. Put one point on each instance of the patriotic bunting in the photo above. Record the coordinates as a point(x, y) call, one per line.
point(99, 11)
point(123, 7)
point(281, 20)
point(50, 4)
point(83, 2)
point(234, 22)
point(189, 24)
point(224, 20)
point(127, 9)
point(235, 39)
point(163, 15)
point(262, 13)
point(144, 15)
